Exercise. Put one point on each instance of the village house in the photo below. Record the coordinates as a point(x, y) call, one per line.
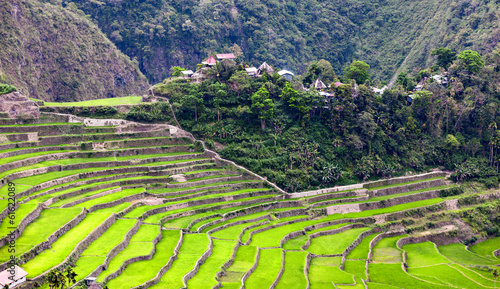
point(210, 61)
point(187, 73)
point(223, 56)
point(288, 75)
point(265, 67)
point(13, 277)
point(252, 71)
point(379, 91)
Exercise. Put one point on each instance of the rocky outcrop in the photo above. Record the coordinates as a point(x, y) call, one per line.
point(17, 105)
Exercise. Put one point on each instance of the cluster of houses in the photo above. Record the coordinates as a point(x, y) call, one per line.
point(251, 71)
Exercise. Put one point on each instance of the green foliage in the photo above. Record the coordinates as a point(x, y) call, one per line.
point(358, 71)
point(176, 70)
point(471, 61)
point(150, 113)
point(263, 105)
point(6, 88)
point(445, 57)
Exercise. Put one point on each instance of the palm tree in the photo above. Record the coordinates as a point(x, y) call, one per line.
point(70, 274)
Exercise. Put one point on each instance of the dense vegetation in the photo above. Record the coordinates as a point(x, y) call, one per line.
point(289, 34)
point(57, 54)
point(300, 140)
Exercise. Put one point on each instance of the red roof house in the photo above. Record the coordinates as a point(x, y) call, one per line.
point(223, 56)
point(210, 61)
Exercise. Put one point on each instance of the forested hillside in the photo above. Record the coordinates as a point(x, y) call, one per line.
point(56, 53)
point(301, 140)
point(289, 34)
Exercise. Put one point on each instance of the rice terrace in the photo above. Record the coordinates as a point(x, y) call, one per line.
point(124, 204)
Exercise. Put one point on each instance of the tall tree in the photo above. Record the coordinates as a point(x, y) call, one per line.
point(471, 61)
point(263, 105)
point(445, 57)
point(358, 70)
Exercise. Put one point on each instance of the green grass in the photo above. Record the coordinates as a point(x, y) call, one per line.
point(296, 243)
point(355, 267)
point(393, 275)
point(393, 209)
point(64, 245)
point(139, 272)
point(488, 281)
point(112, 237)
point(193, 246)
point(127, 100)
point(486, 247)
point(34, 147)
point(293, 276)
point(19, 214)
point(272, 237)
point(232, 232)
point(61, 202)
point(201, 223)
point(334, 244)
point(323, 271)
point(12, 159)
point(245, 257)
point(267, 269)
point(140, 245)
point(445, 274)
point(205, 278)
point(407, 183)
point(423, 254)
point(458, 254)
point(86, 264)
point(174, 190)
point(386, 251)
point(362, 249)
point(111, 197)
point(40, 229)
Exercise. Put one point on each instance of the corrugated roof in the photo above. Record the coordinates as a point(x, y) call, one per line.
point(210, 61)
point(284, 71)
point(187, 72)
point(6, 275)
point(251, 69)
point(225, 56)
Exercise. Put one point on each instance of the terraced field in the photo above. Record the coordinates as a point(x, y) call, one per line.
point(140, 206)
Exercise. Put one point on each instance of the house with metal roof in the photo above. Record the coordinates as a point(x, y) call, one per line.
point(223, 56)
point(12, 277)
point(288, 75)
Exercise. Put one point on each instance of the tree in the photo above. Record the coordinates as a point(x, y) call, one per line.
point(405, 81)
point(471, 61)
point(445, 57)
point(263, 106)
point(358, 70)
point(331, 173)
point(193, 100)
point(70, 274)
point(176, 70)
point(319, 69)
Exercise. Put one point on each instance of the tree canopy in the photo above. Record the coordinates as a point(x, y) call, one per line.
point(358, 71)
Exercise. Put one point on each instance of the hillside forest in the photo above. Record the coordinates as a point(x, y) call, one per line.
point(301, 140)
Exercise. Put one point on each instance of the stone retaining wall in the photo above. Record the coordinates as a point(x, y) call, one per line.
point(32, 253)
point(399, 200)
point(35, 150)
point(216, 229)
point(205, 182)
point(330, 232)
point(53, 140)
point(240, 236)
point(120, 201)
point(404, 179)
point(407, 188)
point(228, 263)
point(264, 207)
point(272, 227)
point(199, 262)
point(343, 209)
point(290, 236)
point(337, 195)
point(441, 238)
point(496, 253)
point(251, 270)
point(331, 202)
point(197, 220)
point(82, 200)
point(202, 202)
point(282, 270)
point(135, 259)
point(30, 217)
point(79, 248)
point(125, 143)
point(355, 244)
point(306, 269)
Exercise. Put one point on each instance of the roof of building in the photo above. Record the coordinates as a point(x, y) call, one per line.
point(225, 56)
point(284, 71)
point(267, 67)
point(6, 275)
point(318, 84)
point(187, 72)
point(210, 61)
point(338, 83)
point(251, 70)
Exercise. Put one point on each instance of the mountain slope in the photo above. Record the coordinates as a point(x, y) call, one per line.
point(57, 54)
point(288, 34)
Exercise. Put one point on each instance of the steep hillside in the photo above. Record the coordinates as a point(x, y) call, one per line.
point(289, 34)
point(56, 53)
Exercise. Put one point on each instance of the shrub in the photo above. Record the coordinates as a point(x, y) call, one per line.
point(6, 88)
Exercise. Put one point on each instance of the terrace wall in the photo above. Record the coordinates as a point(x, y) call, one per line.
point(407, 188)
point(441, 238)
point(404, 179)
point(16, 233)
point(251, 270)
point(282, 270)
point(199, 262)
point(330, 232)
